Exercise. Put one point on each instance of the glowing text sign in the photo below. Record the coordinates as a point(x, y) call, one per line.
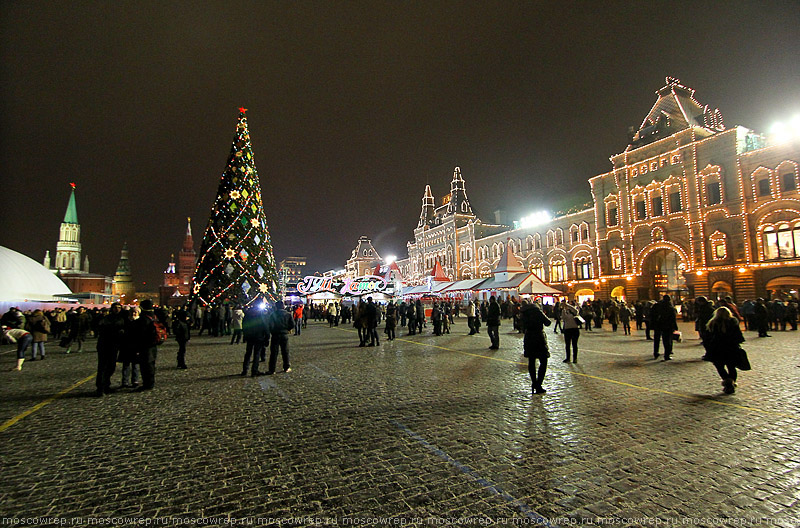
point(357, 286)
point(363, 284)
point(313, 284)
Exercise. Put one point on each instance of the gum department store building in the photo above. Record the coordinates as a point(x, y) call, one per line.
point(688, 208)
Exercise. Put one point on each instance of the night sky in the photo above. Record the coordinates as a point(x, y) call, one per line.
point(353, 108)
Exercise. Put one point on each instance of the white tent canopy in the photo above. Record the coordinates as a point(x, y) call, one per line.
point(24, 279)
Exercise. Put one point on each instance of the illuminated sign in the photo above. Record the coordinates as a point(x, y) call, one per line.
point(363, 284)
point(358, 286)
point(313, 284)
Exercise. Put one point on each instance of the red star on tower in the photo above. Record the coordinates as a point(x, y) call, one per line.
point(242, 109)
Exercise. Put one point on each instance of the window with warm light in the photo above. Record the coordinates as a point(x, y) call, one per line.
point(781, 242)
point(537, 268)
point(558, 270)
point(583, 268)
point(616, 259)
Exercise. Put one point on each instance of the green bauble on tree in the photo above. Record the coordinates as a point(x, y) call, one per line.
point(236, 262)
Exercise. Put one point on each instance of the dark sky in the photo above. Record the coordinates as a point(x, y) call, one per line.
point(353, 108)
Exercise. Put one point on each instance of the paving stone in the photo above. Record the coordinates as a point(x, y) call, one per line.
point(408, 430)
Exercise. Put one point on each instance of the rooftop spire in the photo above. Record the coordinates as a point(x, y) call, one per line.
point(458, 203)
point(71, 216)
point(427, 207)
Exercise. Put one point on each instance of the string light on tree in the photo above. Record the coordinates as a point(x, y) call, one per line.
point(236, 261)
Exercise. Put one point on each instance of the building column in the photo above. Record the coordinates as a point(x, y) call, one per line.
point(744, 285)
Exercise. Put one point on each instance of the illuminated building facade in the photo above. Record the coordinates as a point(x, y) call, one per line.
point(688, 208)
point(363, 259)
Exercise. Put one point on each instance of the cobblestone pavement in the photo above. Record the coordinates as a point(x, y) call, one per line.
point(424, 430)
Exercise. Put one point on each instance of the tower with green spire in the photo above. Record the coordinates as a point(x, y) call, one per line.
point(68, 248)
point(236, 262)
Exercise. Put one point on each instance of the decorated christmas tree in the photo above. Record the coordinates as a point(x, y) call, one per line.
point(236, 263)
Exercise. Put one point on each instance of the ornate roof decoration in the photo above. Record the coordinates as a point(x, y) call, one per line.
point(675, 109)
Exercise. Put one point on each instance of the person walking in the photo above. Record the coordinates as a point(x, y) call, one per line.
point(471, 317)
point(236, 324)
point(724, 337)
point(493, 323)
point(39, 327)
point(557, 316)
point(411, 317)
point(612, 314)
point(297, 315)
point(663, 322)
point(180, 329)
point(535, 346)
point(280, 324)
point(256, 332)
point(110, 333)
point(625, 315)
point(572, 330)
point(761, 317)
point(703, 312)
point(391, 320)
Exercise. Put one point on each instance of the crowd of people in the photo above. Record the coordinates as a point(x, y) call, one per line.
point(131, 336)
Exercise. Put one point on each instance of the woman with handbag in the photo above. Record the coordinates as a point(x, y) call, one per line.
point(723, 338)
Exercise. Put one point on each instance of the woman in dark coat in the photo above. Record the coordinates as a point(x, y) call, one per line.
point(391, 320)
point(723, 338)
point(535, 343)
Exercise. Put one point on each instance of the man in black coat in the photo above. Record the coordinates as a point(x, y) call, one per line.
point(493, 323)
point(280, 324)
point(145, 343)
point(255, 329)
point(110, 332)
point(663, 321)
point(371, 311)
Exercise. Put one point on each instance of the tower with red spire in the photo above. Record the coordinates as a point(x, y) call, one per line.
point(178, 276)
point(187, 260)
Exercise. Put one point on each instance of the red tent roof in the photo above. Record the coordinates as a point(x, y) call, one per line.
point(438, 272)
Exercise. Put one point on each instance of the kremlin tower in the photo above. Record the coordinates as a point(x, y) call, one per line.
point(178, 278)
point(124, 288)
point(87, 287)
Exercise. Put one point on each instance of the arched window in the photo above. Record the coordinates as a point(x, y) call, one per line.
point(583, 268)
point(781, 241)
point(537, 268)
point(616, 258)
point(719, 246)
point(537, 241)
point(558, 269)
